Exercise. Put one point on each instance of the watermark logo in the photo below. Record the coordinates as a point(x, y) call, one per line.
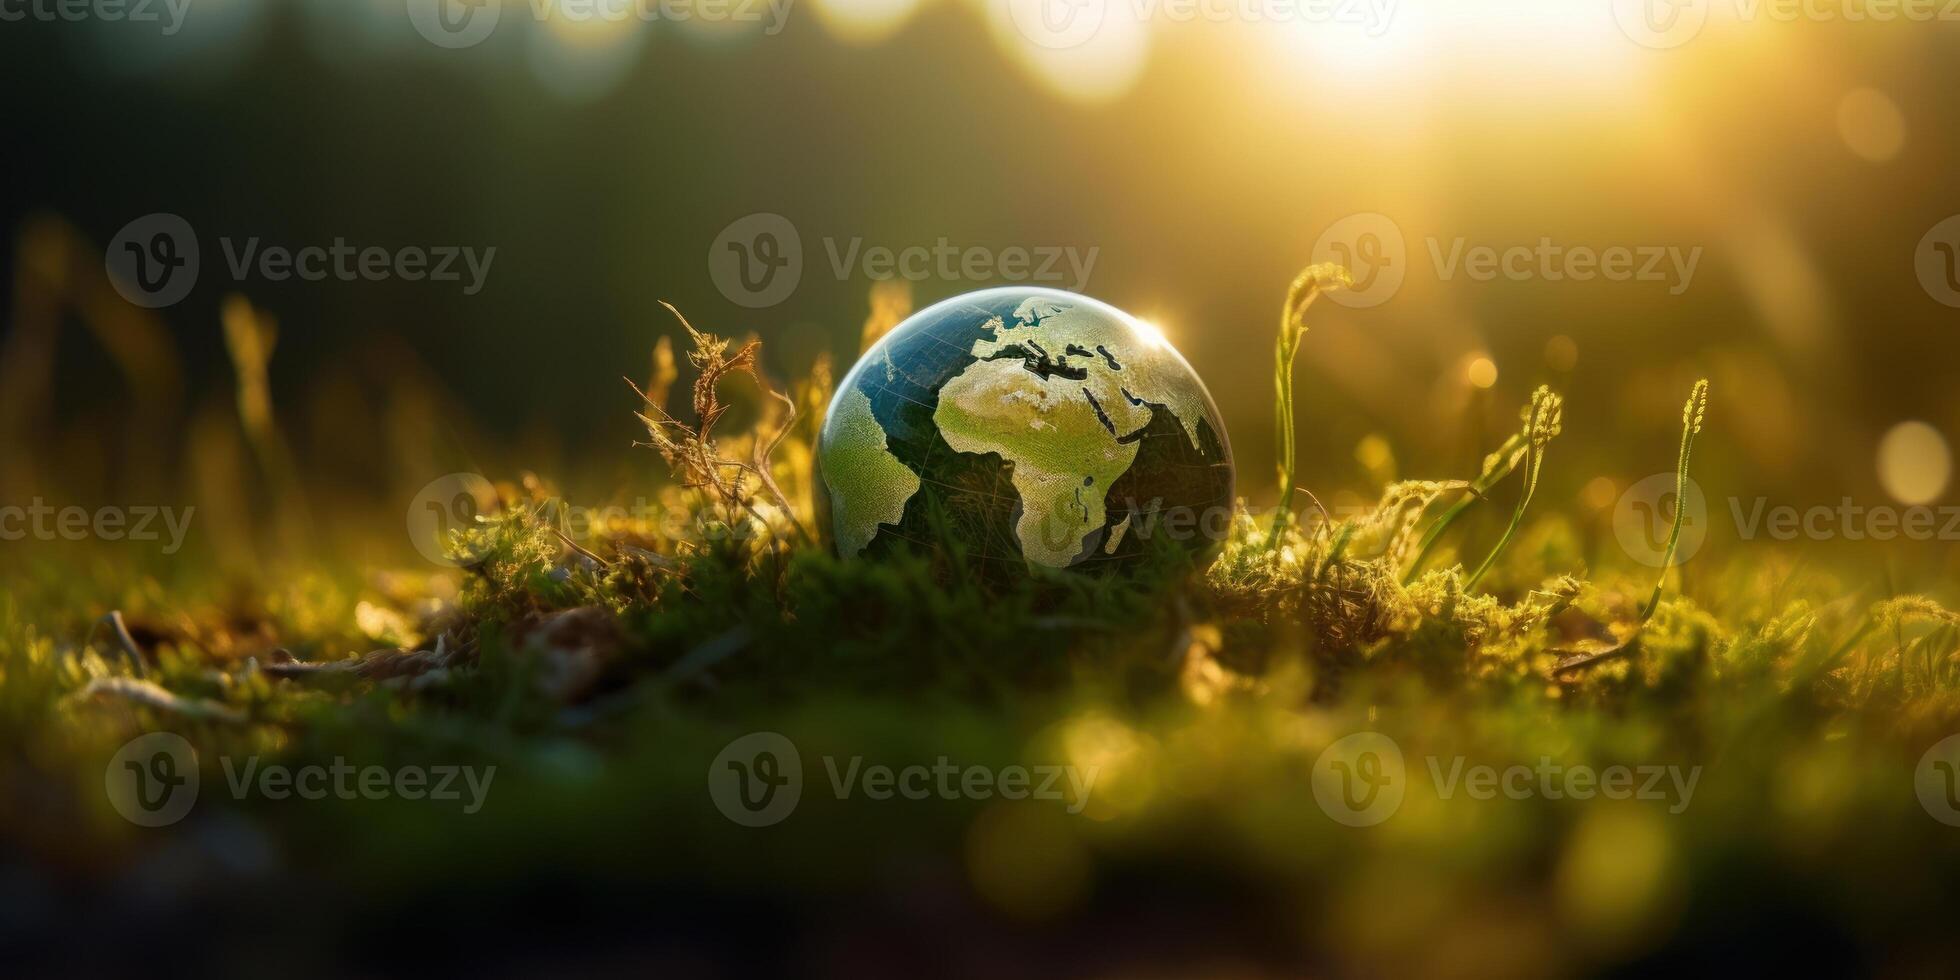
point(169, 13)
point(1058, 24)
point(467, 23)
point(455, 23)
point(152, 261)
point(1937, 781)
point(1360, 780)
point(1064, 24)
point(757, 260)
point(1660, 24)
point(152, 780)
point(42, 521)
point(342, 780)
point(458, 501)
point(1550, 261)
point(446, 505)
point(1663, 24)
point(1370, 246)
point(1937, 262)
point(757, 780)
point(1643, 519)
point(1848, 521)
point(1670, 784)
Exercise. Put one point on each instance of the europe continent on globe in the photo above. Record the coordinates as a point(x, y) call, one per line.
point(1030, 425)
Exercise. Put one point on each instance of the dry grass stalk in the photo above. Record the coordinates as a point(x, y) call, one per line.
point(151, 695)
point(690, 450)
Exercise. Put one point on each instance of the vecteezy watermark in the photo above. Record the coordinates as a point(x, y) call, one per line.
point(467, 23)
point(445, 506)
point(1361, 780)
point(41, 521)
point(1644, 518)
point(460, 501)
point(153, 781)
point(169, 14)
point(1936, 781)
point(1671, 784)
point(1665, 24)
point(154, 262)
point(342, 780)
point(757, 261)
point(757, 780)
point(1937, 260)
point(1063, 24)
point(1372, 248)
point(1644, 515)
point(1846, 520)
point(1660, 24)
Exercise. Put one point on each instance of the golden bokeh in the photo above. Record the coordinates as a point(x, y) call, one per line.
point(1914, 463)
point(1871, 124)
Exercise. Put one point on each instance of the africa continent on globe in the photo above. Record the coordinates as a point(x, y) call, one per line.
point(1030, 425)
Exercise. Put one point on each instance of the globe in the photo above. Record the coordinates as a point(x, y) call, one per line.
point(1028, 426)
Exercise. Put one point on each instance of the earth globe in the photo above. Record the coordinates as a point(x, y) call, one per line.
point(1027, 426)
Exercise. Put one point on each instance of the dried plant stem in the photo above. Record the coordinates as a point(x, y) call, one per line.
point(120, 629)
point(691, 451)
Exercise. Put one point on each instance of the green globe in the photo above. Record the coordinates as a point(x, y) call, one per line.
point(1025, 425)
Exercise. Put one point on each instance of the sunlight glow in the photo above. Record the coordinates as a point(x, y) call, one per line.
point(1528, 50)
point(582, 58)
point(1151, 331)
point(864, 21)
point(1087, 51)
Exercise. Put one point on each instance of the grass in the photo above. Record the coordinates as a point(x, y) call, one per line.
point(1692, 415)
point(602, 677)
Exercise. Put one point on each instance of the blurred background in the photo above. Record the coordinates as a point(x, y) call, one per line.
point(1612, 197)
point(1774, 188)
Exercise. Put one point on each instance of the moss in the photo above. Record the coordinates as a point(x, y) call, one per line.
point(604, 675)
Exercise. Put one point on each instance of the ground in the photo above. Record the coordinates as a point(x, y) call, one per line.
point(1196, 721)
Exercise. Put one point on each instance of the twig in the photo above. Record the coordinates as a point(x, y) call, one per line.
point(114, 620)
point(151, 695)
point(580, 550)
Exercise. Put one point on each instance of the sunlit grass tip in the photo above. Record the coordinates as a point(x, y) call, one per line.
point(1692, 415)
point(1544, 419)
point(1307, 287)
